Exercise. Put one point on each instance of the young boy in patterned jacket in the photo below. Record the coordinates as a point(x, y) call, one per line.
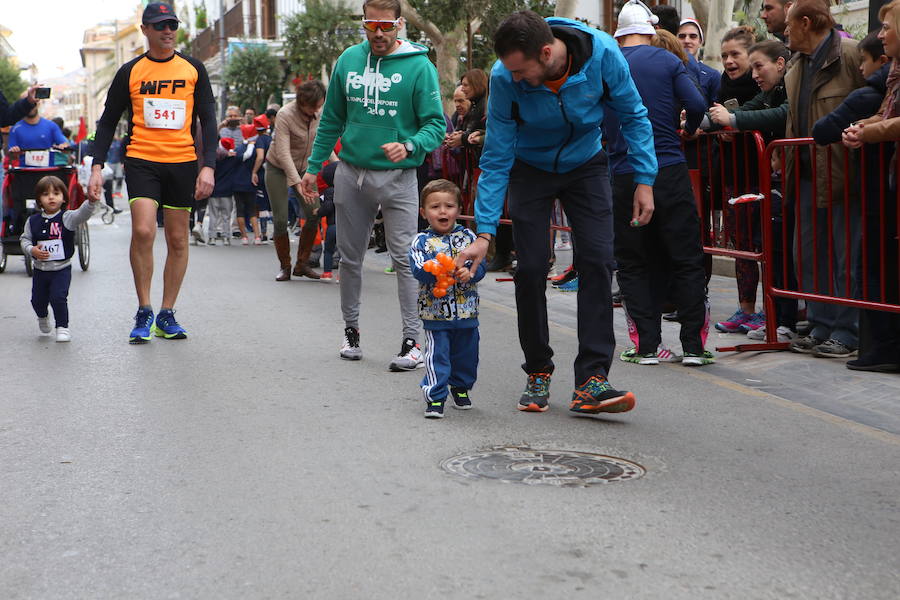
point(450, 320)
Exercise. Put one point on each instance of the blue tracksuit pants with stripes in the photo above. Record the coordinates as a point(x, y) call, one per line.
point(451, 358)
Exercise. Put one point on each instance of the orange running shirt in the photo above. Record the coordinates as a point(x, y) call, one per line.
point(163, 100)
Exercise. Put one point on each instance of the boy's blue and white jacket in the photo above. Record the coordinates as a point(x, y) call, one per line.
point(459, 308)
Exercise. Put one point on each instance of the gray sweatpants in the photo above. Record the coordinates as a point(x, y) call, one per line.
point(357, 195)
point(219, 210)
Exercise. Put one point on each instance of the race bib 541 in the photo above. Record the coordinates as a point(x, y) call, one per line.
point(164, 113)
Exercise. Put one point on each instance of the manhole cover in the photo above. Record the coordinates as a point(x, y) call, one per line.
point(543, 467)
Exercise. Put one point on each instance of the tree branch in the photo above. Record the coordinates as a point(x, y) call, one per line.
point(429, 28)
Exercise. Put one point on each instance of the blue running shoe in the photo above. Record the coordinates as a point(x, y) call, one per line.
point(734, 322)
point(755, 321)
point(167, 327)
point(569, 286)
point(143, 320)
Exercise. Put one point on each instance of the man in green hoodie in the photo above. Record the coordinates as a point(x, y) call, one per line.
point(384, 103)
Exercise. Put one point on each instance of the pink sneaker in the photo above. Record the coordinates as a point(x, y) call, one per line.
point(734, 322)
point(244, 241)
point(257, 242)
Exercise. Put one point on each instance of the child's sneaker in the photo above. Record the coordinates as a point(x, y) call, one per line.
point(63, 335)
point(350, 349)
point(698, 360)
point(569, 286)
point(167, 327)
point(143, 320)
point(44, 324)
point(326, 276)
point(666, 355)
point(434, 409)
point(755, 321)
point(632, 356)
point(461, 398)
point(211, 241)
point(596, 395)
point(734, 322)
point(537, 393)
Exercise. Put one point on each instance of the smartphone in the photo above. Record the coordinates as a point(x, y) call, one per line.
point(42, 93)
point(731, 104)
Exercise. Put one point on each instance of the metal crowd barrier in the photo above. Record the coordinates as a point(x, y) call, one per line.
point(746, 213)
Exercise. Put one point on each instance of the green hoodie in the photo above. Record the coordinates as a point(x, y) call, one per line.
point(373, 100)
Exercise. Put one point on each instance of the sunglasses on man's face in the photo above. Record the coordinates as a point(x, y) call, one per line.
point(163, 25)
point(374, 25)
point(691, 36)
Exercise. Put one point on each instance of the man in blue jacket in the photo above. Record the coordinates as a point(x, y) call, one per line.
point(549, 91)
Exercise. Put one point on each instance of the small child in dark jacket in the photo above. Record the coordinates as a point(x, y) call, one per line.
point(49, 238)
point(450, 321)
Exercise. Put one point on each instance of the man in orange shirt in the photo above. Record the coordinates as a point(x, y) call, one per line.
point(165, 93)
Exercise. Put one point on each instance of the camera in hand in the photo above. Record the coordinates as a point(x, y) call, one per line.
point(42, 93)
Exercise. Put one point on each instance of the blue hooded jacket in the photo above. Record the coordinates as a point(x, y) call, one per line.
point(560, 132)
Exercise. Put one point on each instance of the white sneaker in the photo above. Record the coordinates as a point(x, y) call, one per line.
point(197, 232)
point(351, 350)
point(63, 335)
point(410, 357)
point(44, 324)
point(784, 334)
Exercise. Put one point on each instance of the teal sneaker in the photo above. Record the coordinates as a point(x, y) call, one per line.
point(143, 320)
point(536, 396)
point(167, 327)
point(596, 395)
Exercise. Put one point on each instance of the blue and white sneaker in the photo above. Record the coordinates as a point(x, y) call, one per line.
point(143, 321)
point(167, 327)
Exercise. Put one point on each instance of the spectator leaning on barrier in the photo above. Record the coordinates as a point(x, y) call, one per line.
point(549, 93)
point(766, 113)
point(881, 351)
point(822, 72)
point(462, 105)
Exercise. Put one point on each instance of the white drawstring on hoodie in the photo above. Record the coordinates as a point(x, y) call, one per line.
point(375, 78)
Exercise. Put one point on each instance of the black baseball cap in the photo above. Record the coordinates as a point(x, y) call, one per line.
point(158, 11)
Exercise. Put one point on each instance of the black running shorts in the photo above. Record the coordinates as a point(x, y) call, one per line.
point(168, 184)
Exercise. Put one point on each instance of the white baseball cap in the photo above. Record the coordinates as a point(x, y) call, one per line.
point(635, 17)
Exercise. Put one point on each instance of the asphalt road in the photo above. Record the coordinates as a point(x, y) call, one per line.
point(249, 461)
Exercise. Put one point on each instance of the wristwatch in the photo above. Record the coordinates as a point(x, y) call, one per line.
point(410, 148)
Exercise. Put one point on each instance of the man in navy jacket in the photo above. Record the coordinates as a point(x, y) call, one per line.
point(11, 114)
point(549, 91)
